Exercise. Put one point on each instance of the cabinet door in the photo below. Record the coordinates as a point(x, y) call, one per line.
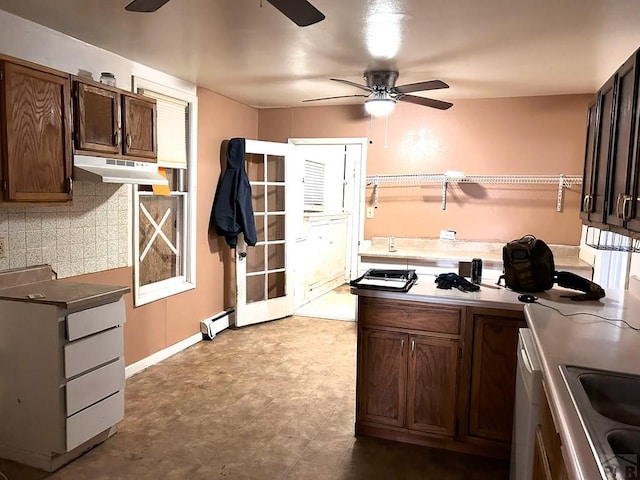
point(541, 469)
point(632, 202)
point(382, 377)
point(622, 142)
point(139, 126)
point(432, 385)
point(493, 374)
point(36, 135)
point(604, 120)
point(587, 175)
point(97, 119)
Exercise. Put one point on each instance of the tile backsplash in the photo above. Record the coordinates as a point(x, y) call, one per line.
point(90, 235)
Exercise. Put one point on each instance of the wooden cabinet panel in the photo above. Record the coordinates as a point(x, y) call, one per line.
point(432, 385)
point(622, 143)
point(604, 121)
point(587, 175)
point(97, 119)
point(541, 468)
point(411, 315)
point(493, 373)
point(382, 377)
point(115, 123)
point(36, 134)
point(139, 122)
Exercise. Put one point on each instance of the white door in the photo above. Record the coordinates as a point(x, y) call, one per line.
point(264, 279)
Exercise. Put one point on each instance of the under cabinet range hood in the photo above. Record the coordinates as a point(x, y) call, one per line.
point(115, 170)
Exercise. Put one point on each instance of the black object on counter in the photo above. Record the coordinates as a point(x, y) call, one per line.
point(476, 270)
point(390, 280)
point(447, 281)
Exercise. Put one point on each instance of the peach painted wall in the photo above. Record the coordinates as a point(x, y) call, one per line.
point(528, 135)
point(157, 325)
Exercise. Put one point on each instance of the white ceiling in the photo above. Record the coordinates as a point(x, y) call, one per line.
point(254, 54)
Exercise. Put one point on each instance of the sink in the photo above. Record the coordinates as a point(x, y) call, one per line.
point(624, 441)
point(608, 404)
point(616, 396)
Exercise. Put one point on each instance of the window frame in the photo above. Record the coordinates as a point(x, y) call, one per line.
point(187, 281)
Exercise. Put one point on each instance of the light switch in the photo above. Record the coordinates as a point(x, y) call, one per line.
point(370, 212)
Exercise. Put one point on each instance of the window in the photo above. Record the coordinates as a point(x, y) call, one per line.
point(164, 248)
point(313, 186)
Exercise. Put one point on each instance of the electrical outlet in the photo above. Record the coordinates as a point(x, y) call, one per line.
point(447, 234)
point(3, 248)
point(370, 212)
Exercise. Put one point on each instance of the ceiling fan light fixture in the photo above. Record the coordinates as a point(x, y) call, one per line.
point(379, 105)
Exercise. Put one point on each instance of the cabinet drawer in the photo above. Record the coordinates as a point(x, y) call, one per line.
point(94, 420)
point(93, 320)
point(94, 386)
point(411, 315)
point(85, 354)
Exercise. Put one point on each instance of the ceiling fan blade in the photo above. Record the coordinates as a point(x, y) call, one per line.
point(421, 86)
point(146, 6)
point(353, 84)
point(427, 102)
point(331, 98)
point(300, 12)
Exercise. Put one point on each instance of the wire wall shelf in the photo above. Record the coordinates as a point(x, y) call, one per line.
point(444, 179)
point(610, 241)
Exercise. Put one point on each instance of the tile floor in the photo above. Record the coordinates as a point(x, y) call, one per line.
point(270, 401)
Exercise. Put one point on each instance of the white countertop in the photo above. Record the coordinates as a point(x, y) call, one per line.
point(581, 340)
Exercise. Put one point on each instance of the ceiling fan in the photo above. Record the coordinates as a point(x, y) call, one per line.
point(383, 94)
point(301, 12)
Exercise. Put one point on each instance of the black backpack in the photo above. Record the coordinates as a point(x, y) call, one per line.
point(529, 267)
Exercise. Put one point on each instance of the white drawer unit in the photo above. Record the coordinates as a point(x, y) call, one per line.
point(98, 417)
point(90, 352)
point(88, 389)
point(85, 322)
point(66, 375)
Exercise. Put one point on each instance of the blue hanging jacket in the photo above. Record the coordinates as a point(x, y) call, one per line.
point(232, 211)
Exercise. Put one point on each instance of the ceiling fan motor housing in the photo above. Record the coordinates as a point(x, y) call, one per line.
point(381, 79)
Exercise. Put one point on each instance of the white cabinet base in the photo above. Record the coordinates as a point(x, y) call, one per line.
point(50, 463)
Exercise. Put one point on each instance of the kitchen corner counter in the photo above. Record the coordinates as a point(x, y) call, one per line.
point(587, 341)
point(36, 285)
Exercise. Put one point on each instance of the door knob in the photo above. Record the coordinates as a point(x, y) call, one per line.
point(242, 254)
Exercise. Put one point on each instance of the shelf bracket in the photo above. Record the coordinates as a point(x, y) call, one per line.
point(375, 192)
point(444, 193)
point(562, 184)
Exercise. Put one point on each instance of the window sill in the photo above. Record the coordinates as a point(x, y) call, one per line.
point(161, 290)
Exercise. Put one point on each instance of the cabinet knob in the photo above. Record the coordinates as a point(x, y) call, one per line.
point(116, 138)
point(69, 185)
point(128, 140)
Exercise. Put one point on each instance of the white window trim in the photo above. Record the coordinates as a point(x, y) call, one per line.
point(180, 284)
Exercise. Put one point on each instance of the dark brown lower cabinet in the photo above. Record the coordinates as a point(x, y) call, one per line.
point(493, 375)
point(548, 463)
point(437, 375)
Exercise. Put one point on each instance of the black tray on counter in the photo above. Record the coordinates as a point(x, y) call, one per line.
point(389, 280)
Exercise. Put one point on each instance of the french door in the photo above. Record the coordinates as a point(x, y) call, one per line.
point(264, 274)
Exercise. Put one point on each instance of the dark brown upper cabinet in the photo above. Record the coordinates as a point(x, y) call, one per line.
point(604, 121)
point(611, 181)
point(112, 122)
point(622, 144)
point(589, 156)
point(35, 132)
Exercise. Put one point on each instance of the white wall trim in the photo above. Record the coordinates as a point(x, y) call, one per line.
point(161, 355)
point(221, 321)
